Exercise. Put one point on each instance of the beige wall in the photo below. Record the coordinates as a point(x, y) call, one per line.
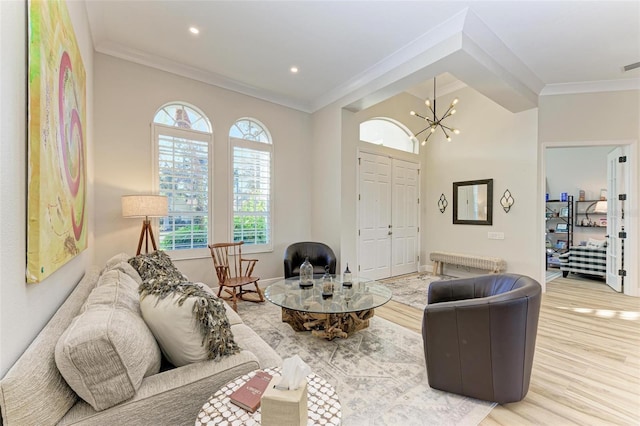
point(129, 95)
point(609, 118)
point(325, 161)
point(494, 143)
point(25, 308)
point(590, 117)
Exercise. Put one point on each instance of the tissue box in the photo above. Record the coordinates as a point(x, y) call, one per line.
point(284, 407)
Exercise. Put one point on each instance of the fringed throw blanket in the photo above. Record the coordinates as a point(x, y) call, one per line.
point(161, 279)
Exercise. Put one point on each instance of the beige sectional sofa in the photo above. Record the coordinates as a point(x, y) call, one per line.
point(33, 392)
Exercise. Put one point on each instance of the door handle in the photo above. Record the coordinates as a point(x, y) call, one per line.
point(390, 233)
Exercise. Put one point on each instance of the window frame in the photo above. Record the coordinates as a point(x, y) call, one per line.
point(258, 146)
point(172, 131)
point(400, 126)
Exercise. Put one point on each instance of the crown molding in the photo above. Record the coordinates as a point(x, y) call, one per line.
point(174, 67)
point(591, 87)
point(462, 45)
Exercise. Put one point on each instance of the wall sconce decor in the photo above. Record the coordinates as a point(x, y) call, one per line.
point(507, 201)
point(442, 203)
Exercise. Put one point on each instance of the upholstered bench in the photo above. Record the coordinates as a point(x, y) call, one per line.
point(493, 264)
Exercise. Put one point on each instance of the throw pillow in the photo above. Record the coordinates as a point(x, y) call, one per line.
point(594, 243)
point(107, 349)
point(157, 268)
point(188, 321)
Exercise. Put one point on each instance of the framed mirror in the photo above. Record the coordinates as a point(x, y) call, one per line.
point(473, 202)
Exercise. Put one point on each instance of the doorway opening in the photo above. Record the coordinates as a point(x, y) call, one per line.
point(589, 177)
point(388, 200)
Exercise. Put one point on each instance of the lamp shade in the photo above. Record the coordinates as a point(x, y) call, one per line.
point(144, 205)
point(601, 207)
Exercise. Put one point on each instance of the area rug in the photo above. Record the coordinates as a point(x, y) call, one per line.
point(412, 289)
point(379, 373)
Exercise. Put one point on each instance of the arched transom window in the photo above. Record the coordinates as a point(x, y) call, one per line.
point(182, 116)
point(389, 133)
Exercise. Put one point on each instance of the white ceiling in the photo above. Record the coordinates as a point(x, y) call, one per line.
point(343, 47)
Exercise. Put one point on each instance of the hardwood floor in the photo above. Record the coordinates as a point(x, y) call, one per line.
point(586, 369)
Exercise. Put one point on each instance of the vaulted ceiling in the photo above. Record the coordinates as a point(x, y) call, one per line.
point(360, 52)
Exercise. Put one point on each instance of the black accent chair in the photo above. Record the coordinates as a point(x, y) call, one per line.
point(479, 335)
point(319, 254)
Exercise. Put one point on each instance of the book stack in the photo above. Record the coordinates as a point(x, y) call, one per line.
point(248, 395)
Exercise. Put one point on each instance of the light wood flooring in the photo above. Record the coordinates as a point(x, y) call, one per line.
point(586, 369)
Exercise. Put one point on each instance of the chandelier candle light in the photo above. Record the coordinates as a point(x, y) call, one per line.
point(437, 122)
point(145, 206)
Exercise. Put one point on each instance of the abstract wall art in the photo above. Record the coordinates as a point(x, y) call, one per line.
point(57, 172)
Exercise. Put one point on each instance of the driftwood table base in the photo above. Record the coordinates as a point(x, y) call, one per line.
point(327, 326)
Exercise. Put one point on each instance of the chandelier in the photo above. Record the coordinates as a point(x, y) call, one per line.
point(437, 122)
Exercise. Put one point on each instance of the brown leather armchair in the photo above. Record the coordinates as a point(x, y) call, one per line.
point(479, 335)
point(320, 255)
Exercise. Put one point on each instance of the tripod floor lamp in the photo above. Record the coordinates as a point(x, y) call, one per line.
point(145, 206)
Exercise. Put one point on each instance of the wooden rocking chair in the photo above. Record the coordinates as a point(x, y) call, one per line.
point(234, 272)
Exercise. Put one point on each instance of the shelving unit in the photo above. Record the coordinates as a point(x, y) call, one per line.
point(591, 219)
point(559, 229)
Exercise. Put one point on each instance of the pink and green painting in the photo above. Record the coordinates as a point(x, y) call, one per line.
point(57, 172)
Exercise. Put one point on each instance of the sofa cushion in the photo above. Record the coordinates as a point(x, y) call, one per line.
point(188, 321)
point(114, 260)
point(107, 349)
point(248, 340)
point(33, 392)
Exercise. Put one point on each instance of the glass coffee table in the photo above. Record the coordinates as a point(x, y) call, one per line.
point(346, 311)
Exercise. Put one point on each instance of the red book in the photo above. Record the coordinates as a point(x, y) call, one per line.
point(248, 395)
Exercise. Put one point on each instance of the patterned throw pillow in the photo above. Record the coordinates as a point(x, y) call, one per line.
point(188, 321)
point(157, 268)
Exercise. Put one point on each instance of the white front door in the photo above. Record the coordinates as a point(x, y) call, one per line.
point(617, 183)
point(388, 216)
point(374, 216)
point(404, 216)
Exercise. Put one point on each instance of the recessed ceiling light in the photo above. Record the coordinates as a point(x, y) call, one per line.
point(194, 30)
point(294, 70)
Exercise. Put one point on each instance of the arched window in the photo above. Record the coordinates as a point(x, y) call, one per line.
point(252, 165)
point(389, 133)
point(182, 139)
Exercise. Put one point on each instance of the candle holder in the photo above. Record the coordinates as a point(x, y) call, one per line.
point(346, 278)
point(306, 274)
point(327, 284)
